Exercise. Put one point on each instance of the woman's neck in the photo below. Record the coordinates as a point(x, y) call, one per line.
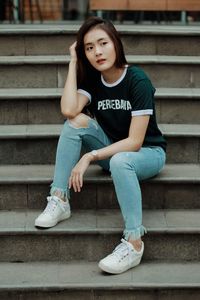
point(112, 74)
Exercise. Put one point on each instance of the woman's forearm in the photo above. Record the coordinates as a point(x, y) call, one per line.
point(124, 145)
point(133, 142)
point(69, 101)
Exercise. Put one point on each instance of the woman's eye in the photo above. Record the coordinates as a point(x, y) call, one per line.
point(104, 43)
point(89, 48)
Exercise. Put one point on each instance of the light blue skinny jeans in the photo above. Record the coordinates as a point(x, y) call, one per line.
point(126, 168)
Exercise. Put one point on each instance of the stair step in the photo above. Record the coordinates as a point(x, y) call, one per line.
point(14, 222)
point(27, 186)
point(89, 231)
point(29, 93)
point(29, 71)
point(84, 280)
point(28, 106)
point(180, 130)
point(43, 174)
point(48, 29)
point(43, 93)
point(19, 143)
point(180, 93)
point(174, 107)
point(65, 59)
point(53, 130)
point(56, 39)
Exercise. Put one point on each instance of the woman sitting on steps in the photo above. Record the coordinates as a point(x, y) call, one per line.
point(123, 138)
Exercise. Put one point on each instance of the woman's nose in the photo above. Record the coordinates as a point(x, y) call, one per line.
point(97, 50)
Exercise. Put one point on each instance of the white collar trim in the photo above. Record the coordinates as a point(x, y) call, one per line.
point(116, 82)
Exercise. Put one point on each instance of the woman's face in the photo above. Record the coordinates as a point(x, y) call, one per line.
point(99, 49)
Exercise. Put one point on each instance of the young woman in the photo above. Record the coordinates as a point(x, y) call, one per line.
point(123, 138)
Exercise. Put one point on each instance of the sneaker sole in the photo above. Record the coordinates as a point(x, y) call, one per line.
point(111, 271)
point(53, 223)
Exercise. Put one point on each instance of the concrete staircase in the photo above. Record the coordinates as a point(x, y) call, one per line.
point(61, 262)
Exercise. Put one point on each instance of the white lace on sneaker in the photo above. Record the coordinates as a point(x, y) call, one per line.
point(53, 202)
point(122, 258)
point(122, 250)
point(55, 211)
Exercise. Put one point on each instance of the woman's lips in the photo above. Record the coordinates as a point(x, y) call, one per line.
point(101, 61)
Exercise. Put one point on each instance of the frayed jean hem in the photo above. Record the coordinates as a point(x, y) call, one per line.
point(134, 234)
point(60, 193)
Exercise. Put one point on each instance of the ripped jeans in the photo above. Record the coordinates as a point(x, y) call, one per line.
point(126, 168)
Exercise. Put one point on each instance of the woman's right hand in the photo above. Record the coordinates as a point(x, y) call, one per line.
point(72, 51)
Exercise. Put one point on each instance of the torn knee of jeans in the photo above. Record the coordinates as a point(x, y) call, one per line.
point(80, 121)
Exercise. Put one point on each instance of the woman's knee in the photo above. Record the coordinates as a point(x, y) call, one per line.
point(125, 160)
point(80, 121)
point(118, 161)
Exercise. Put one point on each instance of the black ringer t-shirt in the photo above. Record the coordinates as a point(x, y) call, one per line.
point(113, 105)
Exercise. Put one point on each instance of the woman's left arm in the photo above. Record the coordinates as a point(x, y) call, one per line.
point(133, 142)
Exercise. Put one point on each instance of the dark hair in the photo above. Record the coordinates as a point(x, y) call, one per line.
point(83, 65)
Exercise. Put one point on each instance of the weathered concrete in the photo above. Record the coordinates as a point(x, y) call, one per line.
point(177, 186)
point(85, 235)
point(56, 39)
point(61, 276)
point(20, 143)
point(28, 106)
point(51, 71)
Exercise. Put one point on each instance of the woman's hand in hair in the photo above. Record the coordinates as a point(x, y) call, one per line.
point(76, 178)
point(72, 51)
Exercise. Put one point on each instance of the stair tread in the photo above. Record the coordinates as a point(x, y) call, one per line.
point(53, 130)
point(87, 275)
point(24, 174)
point(64, 59)
point(49, 29)
point(105, 221)
point(180, 129)
point(35, 93)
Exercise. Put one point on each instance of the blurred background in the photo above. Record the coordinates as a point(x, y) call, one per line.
point(62, 11)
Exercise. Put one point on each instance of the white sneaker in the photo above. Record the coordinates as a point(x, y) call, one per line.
point(122, 258)
point(55, 211)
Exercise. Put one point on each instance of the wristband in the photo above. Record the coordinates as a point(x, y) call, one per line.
point(94, 153)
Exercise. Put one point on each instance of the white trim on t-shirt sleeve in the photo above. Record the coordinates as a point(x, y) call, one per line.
point(142, 112)
point(80, 91)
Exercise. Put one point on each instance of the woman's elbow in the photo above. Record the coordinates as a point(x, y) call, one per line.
point(68, 114)
point(137, 147)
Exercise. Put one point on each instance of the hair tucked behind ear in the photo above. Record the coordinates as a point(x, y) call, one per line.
point(84, 68)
